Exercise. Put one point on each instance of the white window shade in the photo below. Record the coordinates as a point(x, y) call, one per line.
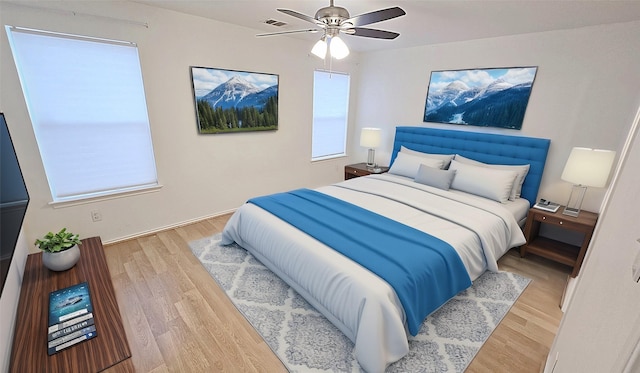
point(330, 114)
point(87, 105)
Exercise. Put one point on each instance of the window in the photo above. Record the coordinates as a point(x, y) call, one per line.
point(87, 106)
point(330, 113)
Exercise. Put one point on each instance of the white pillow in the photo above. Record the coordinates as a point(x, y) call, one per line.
point(440, 179)
point(522, 171)
point(483, 181)
point(445, 157)
point(408, 165)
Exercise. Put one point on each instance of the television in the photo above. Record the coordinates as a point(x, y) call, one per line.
point(13, 200)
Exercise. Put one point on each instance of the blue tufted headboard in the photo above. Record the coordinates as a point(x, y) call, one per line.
point(484, 147)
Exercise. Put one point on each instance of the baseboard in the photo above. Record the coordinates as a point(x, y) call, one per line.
point(166, 227)
point(569, 288)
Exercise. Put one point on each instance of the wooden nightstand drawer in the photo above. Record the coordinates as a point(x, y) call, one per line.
point(360, 169)
point(356, 172)
point(556, 220)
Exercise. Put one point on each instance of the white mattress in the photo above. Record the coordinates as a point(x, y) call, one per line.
point(363, 306)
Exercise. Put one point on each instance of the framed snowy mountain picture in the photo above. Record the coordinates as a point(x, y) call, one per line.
point(495, 97)
point(234, 101)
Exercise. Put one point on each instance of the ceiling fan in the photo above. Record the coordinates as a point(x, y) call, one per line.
point(333, 20)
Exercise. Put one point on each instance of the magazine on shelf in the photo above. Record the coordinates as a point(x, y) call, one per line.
point(70, 317)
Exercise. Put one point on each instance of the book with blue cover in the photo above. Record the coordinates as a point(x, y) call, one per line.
point(70, 317)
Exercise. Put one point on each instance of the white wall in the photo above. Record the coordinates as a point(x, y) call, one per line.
point(202, 175)
point(585, 92)
point(601, 325)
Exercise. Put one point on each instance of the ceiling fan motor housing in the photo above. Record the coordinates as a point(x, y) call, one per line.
point(332, 15)
point(335, 19)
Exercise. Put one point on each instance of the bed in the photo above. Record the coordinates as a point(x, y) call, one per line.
point(480, 228)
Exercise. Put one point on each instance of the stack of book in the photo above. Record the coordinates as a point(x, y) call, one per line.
point(70, 317)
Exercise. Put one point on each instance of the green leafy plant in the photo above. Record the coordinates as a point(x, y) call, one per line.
point(60, 241)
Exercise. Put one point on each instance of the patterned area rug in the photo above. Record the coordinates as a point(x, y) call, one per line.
point(306, 341)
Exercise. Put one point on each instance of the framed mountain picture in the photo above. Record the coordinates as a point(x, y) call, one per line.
point(495, 97)
point(234, 101)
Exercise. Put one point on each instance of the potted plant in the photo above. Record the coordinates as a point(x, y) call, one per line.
point(60, 250)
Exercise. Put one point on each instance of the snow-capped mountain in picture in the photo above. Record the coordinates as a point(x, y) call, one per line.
point(234, 101)
point(481, 97)
point(238, 93)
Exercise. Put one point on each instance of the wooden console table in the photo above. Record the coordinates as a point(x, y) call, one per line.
point(108, 349)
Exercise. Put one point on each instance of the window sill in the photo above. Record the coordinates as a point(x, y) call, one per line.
point(328, 157)
point(75, 201)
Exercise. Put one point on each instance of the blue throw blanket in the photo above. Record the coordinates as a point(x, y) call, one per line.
point(424, 271)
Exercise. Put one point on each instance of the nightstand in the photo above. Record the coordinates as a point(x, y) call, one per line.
point(556, 250)
point(360, 169)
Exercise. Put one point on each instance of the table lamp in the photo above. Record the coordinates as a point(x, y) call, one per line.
point(370, 138)
point(585, 167)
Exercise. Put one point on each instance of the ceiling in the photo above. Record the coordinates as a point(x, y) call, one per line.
point(426, 22)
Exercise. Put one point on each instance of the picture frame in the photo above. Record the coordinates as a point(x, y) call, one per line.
point(487, 97)
point(228, 101)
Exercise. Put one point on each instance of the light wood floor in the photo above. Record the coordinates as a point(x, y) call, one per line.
point(178, 320)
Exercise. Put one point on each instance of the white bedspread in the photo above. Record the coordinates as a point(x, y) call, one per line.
point(363, 306)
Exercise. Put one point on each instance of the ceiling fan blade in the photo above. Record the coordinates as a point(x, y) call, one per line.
point(301, 16)
point(310, 30)
point(373, 33)
point(376, 16)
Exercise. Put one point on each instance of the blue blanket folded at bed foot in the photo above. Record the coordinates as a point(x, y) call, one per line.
point(424, 271)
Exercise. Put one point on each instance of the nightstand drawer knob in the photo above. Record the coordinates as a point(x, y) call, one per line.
point(544, 218)
point(561, 223)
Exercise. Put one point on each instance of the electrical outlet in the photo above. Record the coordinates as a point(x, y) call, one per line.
point(96, 215)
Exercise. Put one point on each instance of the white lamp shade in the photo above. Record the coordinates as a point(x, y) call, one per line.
point(320, 48)
point(338, 48)
point(588, 167)
point(370, 137)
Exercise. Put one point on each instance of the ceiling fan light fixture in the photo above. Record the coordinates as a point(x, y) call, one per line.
point(334, 20)
point(338, 48)
point(320, 48)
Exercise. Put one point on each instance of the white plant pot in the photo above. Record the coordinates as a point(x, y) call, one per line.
point(62, 260)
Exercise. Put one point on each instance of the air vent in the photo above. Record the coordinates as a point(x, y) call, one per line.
point(274, 22)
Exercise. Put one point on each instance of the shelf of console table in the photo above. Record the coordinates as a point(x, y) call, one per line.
point(109, 349)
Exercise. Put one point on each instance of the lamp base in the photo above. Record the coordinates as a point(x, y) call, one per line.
point(575, 201)
point(571, 212)
point(370, 158)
